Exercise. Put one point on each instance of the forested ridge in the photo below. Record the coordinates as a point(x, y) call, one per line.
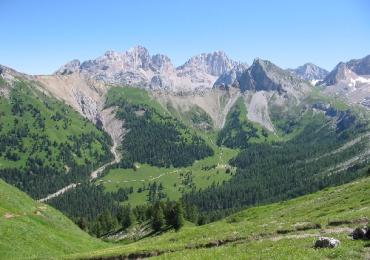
point(156, 138)
point(44, 144)
point(269, 172)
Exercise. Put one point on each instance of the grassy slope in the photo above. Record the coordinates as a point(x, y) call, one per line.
point(256, 230)
point(34, 230)
point(55, 130)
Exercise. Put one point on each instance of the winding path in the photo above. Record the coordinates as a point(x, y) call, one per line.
point(93, 175)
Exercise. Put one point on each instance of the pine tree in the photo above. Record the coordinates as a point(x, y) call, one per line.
point(157, 217)
point(125, 216)
point(178, 216)
point(82, 223)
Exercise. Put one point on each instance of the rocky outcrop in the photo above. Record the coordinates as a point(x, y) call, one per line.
point(361, 233)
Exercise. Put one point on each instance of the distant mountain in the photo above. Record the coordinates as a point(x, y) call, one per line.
point(215, 63)
point(350, 80)
point(136, 67)
point(310, 72)
point(266, 76)
point(341, 72)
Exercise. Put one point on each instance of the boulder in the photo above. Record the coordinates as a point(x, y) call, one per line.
point(360, 233)
point(327, 242)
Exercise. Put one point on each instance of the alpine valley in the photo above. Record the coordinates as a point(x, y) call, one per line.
point(127, 156)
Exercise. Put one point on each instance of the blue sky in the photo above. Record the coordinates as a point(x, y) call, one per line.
point(37, 37)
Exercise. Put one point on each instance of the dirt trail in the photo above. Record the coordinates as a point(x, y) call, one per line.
point(114, 127)
point(59, 192)
point(320, 233)
point(93, 176)
point(142, 180)
point(233, 241)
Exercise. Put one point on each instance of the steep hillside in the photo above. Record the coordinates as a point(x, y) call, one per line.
point(35, 230)
point(45, 145)
point(271, 231)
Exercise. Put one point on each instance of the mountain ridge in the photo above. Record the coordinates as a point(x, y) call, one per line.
point(136, 67)
point(350, 81)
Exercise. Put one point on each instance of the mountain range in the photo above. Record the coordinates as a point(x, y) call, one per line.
point(136, 67)
point(83, 85)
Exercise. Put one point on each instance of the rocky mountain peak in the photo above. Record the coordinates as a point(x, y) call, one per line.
point(360, 66)
point(310, 72)
point(214, 63)
point(69, 68)
point(136, 67)
point(340, 72)
point(263, 75)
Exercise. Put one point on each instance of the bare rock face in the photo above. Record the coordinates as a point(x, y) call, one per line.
point(231, 77)
point(360, 66)
point(136, 67)
point(327, 242)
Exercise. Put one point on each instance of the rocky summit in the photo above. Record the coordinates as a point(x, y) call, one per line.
point(136, 67)
point(350, 81)
point(310, 72)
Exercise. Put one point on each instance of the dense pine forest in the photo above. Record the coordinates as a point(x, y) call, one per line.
point(101, 213)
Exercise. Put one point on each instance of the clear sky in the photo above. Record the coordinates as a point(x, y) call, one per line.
point(37, 37)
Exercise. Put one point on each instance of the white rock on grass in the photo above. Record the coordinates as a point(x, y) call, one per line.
point(327, 242)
